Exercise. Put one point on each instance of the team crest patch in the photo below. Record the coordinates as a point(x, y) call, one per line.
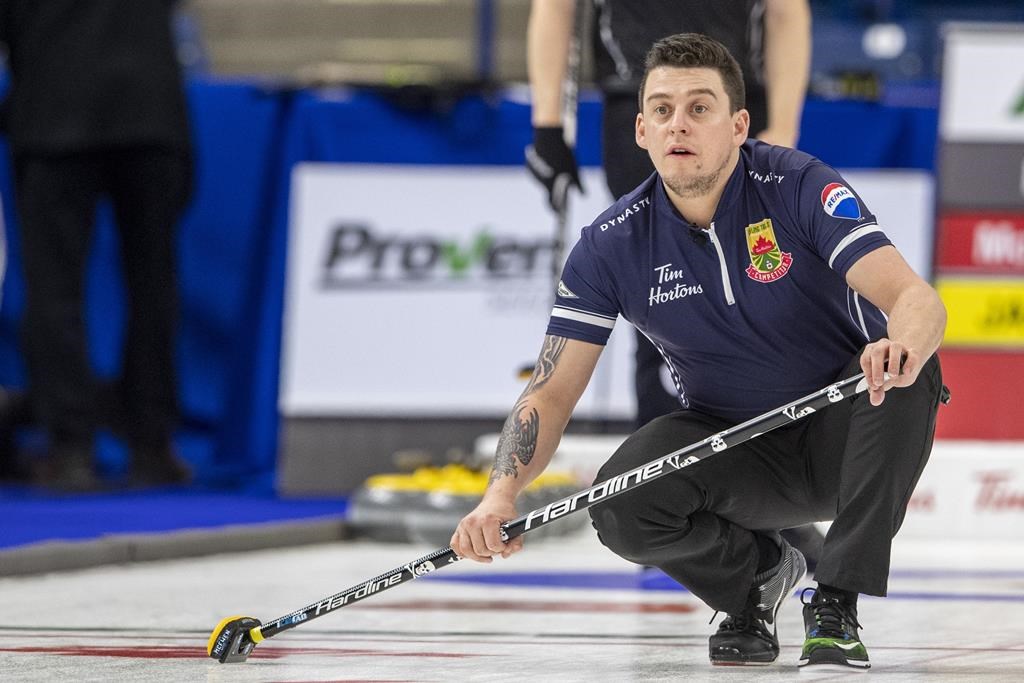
point(840, 202)
point(767, 262)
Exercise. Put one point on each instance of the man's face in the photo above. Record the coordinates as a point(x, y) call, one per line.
point(688, 130)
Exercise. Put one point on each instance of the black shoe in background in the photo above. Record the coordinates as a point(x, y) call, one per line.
point(69, 469)
point(156, 467)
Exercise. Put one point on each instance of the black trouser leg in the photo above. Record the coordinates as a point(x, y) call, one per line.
point(852, 462)
point(626, 164)
point(874, 456)
point(149, 187)
point(698, 525)
point(56, 200)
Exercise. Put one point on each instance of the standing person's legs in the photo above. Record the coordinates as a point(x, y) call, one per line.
point(625, 163)
point(56, 199)
point(150, 188)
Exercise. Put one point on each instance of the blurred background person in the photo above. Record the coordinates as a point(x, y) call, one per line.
point(96, 110)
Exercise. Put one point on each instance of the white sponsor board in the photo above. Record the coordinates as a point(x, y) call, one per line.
point(983, 83)
point(970, 490)
point(421, 290)
point(902, 201)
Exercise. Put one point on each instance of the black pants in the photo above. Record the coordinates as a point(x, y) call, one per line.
point(853, 463)
point(57, 198)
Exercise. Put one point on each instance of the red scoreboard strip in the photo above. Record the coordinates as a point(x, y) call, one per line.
point(980, 243)
point(984, 387)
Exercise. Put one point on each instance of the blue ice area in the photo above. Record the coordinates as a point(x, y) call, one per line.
point(650, 579)
point(29, 517)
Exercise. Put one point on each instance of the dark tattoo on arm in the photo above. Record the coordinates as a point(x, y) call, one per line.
point(553, 347)
point(518, 441)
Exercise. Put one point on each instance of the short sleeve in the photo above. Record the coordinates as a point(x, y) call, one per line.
point(585, 305)
point(836, 221)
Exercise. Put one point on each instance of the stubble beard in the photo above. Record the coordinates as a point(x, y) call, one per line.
point(697, 185)
point(693, 187)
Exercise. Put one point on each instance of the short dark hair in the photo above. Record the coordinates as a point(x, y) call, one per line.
point(695, 50)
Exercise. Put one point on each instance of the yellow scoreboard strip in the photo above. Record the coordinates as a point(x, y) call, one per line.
point(984, 312)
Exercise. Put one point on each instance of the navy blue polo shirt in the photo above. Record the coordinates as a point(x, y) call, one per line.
point(750, 314)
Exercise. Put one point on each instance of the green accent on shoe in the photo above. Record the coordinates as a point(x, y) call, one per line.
point(850, 649)
point(832, 638)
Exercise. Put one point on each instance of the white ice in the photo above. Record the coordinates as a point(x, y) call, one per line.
point(960, 621)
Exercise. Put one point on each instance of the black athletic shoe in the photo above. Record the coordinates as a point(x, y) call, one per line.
point(832, 641)
point(745, 639)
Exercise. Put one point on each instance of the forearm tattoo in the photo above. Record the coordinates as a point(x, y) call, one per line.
point(553, 347)
point(518, 440)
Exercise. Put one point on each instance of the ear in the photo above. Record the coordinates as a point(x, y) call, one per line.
point(741, 126)
point(641, 132)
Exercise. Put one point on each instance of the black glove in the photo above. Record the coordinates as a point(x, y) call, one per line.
point(552, 163)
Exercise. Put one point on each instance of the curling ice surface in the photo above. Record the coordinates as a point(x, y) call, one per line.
point(564, 609)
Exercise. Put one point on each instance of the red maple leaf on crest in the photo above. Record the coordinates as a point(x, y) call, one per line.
point(763, 246)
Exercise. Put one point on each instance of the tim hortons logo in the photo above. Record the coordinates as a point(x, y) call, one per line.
point(675, 290)
point(996, 493)
point(922, 501)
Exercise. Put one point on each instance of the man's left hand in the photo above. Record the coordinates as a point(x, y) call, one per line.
point(883, 370)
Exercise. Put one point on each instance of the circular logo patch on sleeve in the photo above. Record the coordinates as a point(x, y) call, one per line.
point(840, 202)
